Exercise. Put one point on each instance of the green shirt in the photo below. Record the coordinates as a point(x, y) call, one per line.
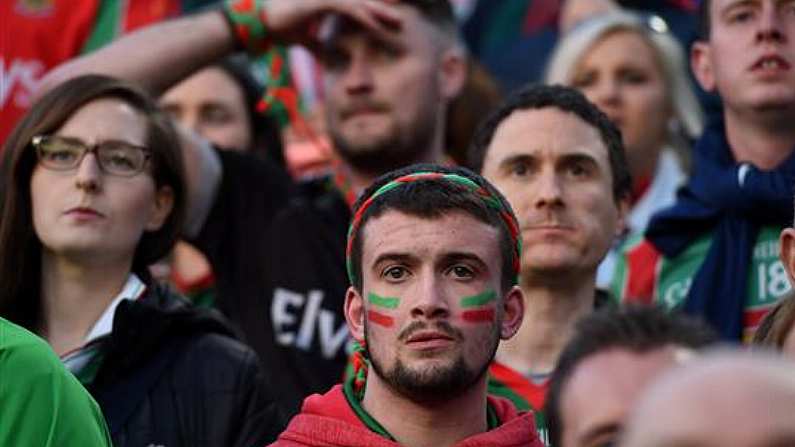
point(41, 403)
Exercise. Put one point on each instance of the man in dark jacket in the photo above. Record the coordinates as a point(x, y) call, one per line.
point(715, 252)
point(432, 257)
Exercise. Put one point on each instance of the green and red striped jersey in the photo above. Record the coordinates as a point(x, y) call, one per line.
point(522, 392)
point(645, 275)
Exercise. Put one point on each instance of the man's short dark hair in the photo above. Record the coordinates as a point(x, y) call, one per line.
point(704, 20)
point(439, 12)
point(537, 96)
point(432, 199)
point(637, 329)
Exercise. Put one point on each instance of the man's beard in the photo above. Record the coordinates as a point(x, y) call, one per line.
point(402, 147)
point(438, 383)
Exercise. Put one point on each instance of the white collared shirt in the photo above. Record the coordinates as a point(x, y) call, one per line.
point(76, 359)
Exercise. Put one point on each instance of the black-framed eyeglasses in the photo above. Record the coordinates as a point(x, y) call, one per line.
point(114, 157)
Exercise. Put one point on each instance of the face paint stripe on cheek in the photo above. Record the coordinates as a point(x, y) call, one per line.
point(478, 316)
point(383, 301)
point(380, 319)
point(479, 299)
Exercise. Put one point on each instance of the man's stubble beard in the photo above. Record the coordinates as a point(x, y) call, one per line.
point(438, 384)
point(402, 147)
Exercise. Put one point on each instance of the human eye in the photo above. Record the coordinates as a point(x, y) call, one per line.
point(462, 271)
point(634, 77)
point(395, 273)
point(740, 14)
point(120, 158)
point(387, 51)
point(579, 169)
point(173, 110)
point(63, 155)
point(584, 80)
point(519, 168)
point(59, 152)
point(216, 114)
point(335, 59)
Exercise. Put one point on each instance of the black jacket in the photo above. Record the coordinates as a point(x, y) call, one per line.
point(173, 375)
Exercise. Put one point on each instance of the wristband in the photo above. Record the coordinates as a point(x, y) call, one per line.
point(247, 19)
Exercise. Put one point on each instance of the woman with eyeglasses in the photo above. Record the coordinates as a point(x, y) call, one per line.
point(635, 71)
point(92, 193)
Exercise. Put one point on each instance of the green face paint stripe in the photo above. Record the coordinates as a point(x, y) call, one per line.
point(479, 299)
point(383, 301)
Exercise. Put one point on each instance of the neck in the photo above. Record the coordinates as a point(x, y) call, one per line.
point(551, 310)
point(760, 139)
point(74, 296)
point(426, 424)
point(361, 179)
point(645, 166)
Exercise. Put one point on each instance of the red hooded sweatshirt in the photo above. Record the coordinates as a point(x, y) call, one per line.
point(329, 421)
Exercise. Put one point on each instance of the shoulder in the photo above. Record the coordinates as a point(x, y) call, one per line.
point(44, 397)
point(21, 350)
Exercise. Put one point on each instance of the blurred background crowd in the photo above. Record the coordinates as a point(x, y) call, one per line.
point(237, 255)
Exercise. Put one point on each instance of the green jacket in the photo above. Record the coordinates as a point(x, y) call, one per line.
point(41, 403)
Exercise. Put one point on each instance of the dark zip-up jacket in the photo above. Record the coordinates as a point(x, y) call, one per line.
point(174, 375)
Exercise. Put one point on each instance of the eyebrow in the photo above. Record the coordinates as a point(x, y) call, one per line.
point(404, 258)
point(447, 258)
point(576, 156)
point(600, 430)
point(732, 4)
point(457, 256)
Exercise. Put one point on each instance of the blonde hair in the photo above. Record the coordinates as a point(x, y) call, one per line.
point(669, 52)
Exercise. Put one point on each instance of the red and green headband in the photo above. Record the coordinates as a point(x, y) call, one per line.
point(468, 184)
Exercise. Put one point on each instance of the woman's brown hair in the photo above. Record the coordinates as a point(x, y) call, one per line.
point(20, 248)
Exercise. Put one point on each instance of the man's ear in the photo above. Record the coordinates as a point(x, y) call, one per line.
point(787, 244)
point(453, 72)
point(355, 313)
point(701, 64)
point(512, 312)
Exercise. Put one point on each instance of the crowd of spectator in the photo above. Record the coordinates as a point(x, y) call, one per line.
point(397, 222)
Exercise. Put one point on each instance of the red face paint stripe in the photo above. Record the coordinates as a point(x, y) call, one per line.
point(380, 319)
point(478, 316)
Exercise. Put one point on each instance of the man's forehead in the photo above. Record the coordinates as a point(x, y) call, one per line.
point(398, 232)
point(335, 28)
point(534, 131)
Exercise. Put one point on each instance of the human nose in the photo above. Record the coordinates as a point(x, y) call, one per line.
point(358, 78)
point(89, 174)
point(190, 121)
point(431, 302)
point(549, 191)
point(607, 93)
point(770, 28)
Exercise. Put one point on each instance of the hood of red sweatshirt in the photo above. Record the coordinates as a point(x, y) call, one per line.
point(328, 420)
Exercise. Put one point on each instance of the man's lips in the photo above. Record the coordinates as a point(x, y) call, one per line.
point(362, 110)
point(547, 227)
point(429, 340)
point(424, 336)
point(771, 62)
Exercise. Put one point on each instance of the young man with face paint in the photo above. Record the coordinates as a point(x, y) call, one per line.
point(391, 67)
point(560, 163)
point(432, 257)
point(715, 252)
